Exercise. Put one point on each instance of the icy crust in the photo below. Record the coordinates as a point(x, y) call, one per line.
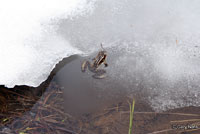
point(29, 45)
point(168, 75)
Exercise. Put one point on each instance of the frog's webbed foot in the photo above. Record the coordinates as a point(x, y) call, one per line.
point(100, 74)
point(84, 65)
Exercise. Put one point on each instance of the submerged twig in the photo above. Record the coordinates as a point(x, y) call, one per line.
point(181, 114)
point(161, 131)
point(189, 120)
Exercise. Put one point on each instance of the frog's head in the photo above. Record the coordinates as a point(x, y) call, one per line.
point(101, 57)
point(103, 51)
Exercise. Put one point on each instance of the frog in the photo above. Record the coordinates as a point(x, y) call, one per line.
point(94, 66)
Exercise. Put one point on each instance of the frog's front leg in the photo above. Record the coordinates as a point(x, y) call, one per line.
point(99, 74)
point(84, 65)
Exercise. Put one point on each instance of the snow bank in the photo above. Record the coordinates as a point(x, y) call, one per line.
point(29, 45)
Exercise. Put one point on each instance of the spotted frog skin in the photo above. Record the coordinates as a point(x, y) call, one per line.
point(94, 66)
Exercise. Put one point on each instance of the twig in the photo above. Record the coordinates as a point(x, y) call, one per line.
point(157, 132)
point(181, 114)
point(185, 120)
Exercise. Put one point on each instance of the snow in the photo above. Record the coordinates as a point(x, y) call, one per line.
point(29, 45)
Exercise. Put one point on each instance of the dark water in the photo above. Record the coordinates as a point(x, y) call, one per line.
point(68, 93)
point(84, 94)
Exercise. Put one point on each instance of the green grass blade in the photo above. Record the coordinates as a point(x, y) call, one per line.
point(131, 116)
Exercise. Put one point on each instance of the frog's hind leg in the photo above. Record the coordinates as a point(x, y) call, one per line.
point(84, 65)
point(100, 74)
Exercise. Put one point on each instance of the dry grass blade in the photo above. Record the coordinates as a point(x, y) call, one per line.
point(47, 97)
point(52, 121)
point(161, 131)
point(12, 92)
point(180, 121)
point(180, 114)
point(66, 130)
